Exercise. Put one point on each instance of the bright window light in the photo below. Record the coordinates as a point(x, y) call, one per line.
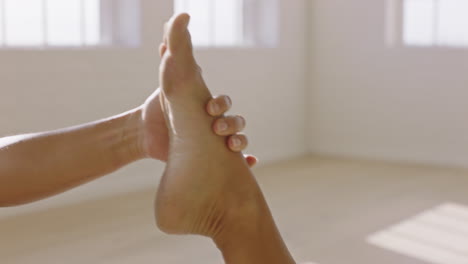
point(438, 236)
point(92, 19)
point(452, 26)
point(230, 23)
point(435, 22)
point(64, 25)
point(68, 23)
point(23, 26)
point(419, 22)
point(214, 22)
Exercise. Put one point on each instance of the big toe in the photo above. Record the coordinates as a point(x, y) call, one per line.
point(178, 36)
point(179, 68)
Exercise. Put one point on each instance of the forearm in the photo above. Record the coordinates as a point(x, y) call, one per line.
point(39, 165)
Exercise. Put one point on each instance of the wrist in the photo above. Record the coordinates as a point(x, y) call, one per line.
point(155, 135)
point(131, 137)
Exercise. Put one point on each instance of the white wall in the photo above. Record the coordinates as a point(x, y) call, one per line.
point(373, 101)
point(43, 90)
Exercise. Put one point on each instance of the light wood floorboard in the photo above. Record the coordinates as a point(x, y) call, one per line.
point(325, 208)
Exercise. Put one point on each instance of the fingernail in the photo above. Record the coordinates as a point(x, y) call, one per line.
point(228, 101)
point(236, 142)
point(241, 121)
point(215, 108)
point(222, 126)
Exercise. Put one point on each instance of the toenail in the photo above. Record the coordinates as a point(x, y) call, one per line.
point(222, 126)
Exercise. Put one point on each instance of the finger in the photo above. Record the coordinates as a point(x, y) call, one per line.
point(229, 125)
point(251, 160)
point(237, 143)
point(219, 105)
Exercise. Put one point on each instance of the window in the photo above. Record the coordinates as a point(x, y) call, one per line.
point(438, 236)
point(435, 23)
point(218, 23)
point(70, 23)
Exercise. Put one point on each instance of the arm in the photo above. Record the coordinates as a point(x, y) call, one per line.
point(36, 166)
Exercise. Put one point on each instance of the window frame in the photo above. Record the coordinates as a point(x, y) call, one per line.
point(395, 27)
point(111, 24)
point(260, 20)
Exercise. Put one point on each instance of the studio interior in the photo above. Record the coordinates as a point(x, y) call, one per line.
point(356, 112)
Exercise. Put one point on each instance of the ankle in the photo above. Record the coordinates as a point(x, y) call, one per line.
point(250, 236)
point(244, 216)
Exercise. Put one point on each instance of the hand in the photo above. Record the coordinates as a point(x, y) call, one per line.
point(156, 138)
point(230, 126)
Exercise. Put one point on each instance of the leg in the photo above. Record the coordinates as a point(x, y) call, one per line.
point(206, 189)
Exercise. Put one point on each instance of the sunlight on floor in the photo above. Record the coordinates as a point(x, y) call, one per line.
point(438, 236)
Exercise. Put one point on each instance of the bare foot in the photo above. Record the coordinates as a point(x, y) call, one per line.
point(204, 184)
point(207, 189)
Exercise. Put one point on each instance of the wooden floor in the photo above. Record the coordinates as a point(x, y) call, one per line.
point(325, 208)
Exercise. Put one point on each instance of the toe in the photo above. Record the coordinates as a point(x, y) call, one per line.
point(178, 65)
point(178, 36)
point(162, 49)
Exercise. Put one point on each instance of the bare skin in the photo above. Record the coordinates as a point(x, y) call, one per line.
point(37, 166)
point(206, 189)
